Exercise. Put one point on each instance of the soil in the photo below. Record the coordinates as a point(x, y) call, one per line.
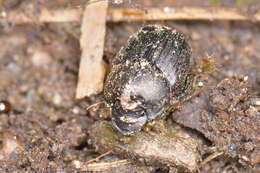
point(48, 130)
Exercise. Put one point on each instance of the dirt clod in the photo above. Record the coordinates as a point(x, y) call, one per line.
point(229, 120)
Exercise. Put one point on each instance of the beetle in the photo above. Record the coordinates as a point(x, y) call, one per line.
point(151, 70)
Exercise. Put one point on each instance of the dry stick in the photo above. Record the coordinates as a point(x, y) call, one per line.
point(119, 14)
point(92, 67)
point(95, 104)
point(102, 166)
point(99, 157)
point(186, 13)
point(211, 157)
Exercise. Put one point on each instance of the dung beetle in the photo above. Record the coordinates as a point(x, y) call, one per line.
point(151, 70)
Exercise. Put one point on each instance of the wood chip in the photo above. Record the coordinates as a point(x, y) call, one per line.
point(92, 67)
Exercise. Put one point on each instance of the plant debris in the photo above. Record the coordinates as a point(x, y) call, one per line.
point(168, 145)
point(52, 130)
point(92, 67)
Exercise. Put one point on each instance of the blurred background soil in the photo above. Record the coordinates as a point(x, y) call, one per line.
point(38, 76)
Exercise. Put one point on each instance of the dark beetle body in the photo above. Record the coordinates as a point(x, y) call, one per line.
point(151, 69)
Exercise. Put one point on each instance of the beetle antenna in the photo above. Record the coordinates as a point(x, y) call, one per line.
point(95, 104)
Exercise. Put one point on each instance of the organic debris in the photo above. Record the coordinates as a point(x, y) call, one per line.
point(92, 67)
point(167, 145)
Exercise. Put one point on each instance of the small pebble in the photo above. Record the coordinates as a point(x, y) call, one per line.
point(3, 14)
point(41, 58)
point(167, 9)
point(5, 106)
point(77, 164)
point(10, 146)
point(200, 84)
point(57, 99)
point(75, 110)
point(245, 78)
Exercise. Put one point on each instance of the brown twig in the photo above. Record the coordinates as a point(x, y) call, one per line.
point(211, 157)
point(106, 165)
point(186, 13)
point(94, 105)
point(120, 14)
point(99, 157)
point(101, 166)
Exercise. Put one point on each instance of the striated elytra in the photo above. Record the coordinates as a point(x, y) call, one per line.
point(147, 73)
